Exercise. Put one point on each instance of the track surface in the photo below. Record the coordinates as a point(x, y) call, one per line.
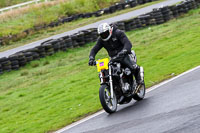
point(171, 108)
point(94, 25)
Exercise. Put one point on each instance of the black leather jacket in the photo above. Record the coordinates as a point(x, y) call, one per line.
point(114, 45)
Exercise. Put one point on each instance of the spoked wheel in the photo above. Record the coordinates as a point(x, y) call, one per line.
point(108, 104)
point(139, 95)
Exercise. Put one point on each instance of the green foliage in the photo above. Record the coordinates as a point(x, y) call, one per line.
point(83, 6)
point(48, 13)
point(35, 64)
point(65, 89)
point(5, 3)
point(64, 27)
point(24, 73)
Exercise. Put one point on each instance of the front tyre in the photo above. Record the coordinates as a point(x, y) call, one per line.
point(108, 104)
point(140, 94)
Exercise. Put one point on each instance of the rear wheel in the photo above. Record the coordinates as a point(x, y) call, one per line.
point(108, 104)
point(140, 94)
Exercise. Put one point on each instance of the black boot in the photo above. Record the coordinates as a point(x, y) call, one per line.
point(139, 75)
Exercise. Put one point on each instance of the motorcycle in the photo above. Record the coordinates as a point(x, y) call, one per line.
point(118, 85)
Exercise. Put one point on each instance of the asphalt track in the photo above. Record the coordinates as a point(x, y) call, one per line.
point(93, 25)
point(171, 107)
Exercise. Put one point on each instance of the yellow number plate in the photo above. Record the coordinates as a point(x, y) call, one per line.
point(102, 64)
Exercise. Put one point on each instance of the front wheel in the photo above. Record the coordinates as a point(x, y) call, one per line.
point(139, 95)
point(108, 104)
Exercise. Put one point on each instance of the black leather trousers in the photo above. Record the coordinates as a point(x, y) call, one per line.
point(129, 62)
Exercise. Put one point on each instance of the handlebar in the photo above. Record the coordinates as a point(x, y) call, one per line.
point(116, 58)
point(112, 60)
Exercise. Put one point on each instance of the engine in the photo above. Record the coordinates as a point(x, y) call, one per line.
point(124, 79)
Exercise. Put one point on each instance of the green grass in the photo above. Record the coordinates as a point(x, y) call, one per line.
point(66, 27)
point(46, 13)
point(5, 3)
point(58, 90)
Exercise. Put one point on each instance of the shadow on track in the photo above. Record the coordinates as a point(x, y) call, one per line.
point(131, 107)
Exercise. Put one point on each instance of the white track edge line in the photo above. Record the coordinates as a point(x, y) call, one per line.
point(148, 90)
point(171, 79)
point(79, 122)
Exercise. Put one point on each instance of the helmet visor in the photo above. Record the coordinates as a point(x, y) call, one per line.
point(105, 34)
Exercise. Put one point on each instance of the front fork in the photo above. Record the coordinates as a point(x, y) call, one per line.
point(111, 82)
point(101, 76)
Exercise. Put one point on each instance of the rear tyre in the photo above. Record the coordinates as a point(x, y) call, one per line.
point(140, 93)
point(108, 104)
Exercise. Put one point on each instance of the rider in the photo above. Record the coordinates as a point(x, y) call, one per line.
point(117, 44)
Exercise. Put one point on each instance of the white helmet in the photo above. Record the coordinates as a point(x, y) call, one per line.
point(105, 31)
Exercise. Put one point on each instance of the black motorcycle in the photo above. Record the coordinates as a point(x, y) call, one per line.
point(118, 86)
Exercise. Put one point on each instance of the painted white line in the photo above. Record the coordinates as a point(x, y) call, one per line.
point(148, 90)
point(79, 122)
point(169, 80)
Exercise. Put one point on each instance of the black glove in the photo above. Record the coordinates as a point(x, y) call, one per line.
point(122, 53)
point(92, 62)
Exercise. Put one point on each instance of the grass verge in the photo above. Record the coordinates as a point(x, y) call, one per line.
point(58, 90)
point(5, 3)
point(44, 13)
point(65, 27)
